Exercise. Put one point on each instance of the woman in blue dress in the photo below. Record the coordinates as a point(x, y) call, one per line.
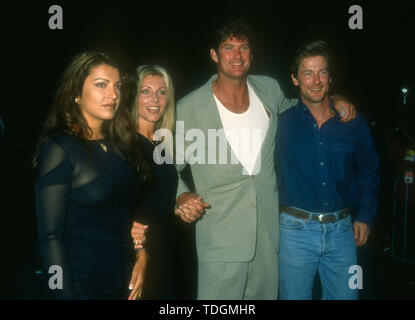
point(89, 176)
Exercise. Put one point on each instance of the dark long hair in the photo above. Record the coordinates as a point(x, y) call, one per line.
point(65, 114)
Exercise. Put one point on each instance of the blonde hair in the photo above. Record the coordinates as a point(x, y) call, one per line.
point(167, 121)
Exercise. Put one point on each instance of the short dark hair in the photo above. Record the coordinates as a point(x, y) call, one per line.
point(311, 49)
point(232, 28)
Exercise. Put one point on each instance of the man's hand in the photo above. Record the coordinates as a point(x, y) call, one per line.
point(138, 232)
point(361, 233)
point(346, 110)
point(190, 207)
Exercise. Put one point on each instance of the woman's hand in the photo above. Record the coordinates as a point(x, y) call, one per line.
point(190, 207)
point(138, 232)
point(137, 278)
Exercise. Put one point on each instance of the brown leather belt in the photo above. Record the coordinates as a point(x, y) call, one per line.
point(322, 218)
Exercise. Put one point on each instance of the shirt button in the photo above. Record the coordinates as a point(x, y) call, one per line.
point(321, 163)
point(315, 125)
point(324, 184)
point(320, 143)
point(325, 203)
point(253, 205)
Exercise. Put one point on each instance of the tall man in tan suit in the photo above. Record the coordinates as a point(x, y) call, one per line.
point(237, 238)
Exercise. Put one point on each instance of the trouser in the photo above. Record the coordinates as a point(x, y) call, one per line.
point(307, 247)
point(256, 279)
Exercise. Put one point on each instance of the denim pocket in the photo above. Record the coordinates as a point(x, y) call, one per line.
point(345, 224)
point(290, 222)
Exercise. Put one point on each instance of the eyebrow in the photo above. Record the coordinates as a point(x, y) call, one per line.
point(236, 44)
point(162, 87)
point(106, 80)
point(323, 69)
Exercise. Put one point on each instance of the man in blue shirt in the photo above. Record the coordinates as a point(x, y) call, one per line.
point(326, 171)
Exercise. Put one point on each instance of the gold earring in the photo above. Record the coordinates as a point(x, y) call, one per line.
point(76, 100)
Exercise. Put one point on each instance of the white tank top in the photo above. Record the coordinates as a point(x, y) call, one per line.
point(246, 131)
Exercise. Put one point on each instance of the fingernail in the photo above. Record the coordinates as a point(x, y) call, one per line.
point(130, 287)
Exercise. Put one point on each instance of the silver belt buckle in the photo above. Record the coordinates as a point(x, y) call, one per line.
point(320, 217)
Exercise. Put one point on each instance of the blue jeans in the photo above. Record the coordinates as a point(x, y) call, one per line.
point(309, 246)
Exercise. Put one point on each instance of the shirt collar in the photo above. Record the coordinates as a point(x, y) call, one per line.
point(304, 111)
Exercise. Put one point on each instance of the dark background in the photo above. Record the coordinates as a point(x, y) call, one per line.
point(372, 66)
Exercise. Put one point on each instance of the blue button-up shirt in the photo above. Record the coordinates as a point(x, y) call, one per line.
point(329, 168)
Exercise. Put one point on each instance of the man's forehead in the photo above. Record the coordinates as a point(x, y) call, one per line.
point(313, 60)
point(236, 40)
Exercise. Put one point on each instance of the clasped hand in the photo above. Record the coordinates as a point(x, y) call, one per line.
point(190, 207)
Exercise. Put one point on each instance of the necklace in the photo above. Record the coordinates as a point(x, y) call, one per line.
point(155, 142)
point(102, 145)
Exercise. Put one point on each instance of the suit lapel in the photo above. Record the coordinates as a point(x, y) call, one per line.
point(213, 120)
point(267, 103)
point(210, 110)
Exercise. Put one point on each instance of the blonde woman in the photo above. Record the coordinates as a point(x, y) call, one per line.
point(153, 109)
